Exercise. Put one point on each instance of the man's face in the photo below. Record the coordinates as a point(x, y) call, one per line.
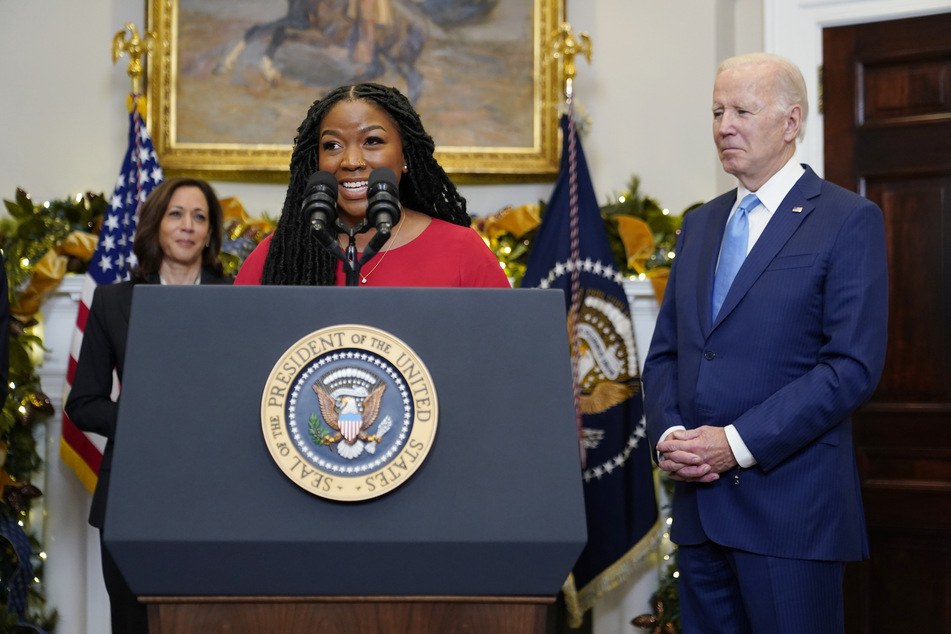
point(754, 138)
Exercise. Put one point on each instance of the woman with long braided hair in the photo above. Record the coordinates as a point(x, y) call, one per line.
point(349, 133)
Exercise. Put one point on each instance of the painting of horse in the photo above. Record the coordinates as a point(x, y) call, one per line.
point(315, 45)
point(239, 75)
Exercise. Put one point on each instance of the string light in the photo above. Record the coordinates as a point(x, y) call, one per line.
point(24, 254)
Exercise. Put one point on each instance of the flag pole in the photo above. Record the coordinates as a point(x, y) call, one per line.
point(572, 252)
point(565, 46)
point(140, 173)
point(137, 48)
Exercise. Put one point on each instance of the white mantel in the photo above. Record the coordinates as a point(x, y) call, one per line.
point(73, 574)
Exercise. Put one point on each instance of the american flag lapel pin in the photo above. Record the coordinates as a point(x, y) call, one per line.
point(797, 210)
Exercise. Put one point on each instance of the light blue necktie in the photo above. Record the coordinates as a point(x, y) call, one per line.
point(733, 251)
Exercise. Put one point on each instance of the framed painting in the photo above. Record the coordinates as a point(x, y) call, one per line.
point(231, 80)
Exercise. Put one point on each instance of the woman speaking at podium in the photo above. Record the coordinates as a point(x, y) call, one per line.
point(177, 240)
point(350, 133)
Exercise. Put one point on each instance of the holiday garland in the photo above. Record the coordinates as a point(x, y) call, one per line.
point(29, 234)
point(642, 235)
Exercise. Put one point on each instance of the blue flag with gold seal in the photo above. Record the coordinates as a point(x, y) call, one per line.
point(571, 251)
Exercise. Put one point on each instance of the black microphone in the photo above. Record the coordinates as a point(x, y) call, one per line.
point(383, 200)
point(320, 201)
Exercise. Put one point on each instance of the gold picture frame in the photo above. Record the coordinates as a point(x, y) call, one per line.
point(487, 89)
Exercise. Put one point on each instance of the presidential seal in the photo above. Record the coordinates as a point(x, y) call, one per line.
point(606, 368)
point(349, 413)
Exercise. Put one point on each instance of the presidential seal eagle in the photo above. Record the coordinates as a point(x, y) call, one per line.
point(349, 416)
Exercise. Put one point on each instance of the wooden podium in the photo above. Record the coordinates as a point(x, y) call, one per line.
point(214, 537)
point(347, 615)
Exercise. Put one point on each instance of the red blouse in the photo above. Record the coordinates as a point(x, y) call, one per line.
point(443, 255)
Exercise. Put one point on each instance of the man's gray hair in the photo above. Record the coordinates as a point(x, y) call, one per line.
point(789, 84)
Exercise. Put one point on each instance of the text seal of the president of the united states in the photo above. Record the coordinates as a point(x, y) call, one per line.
point(349, 412)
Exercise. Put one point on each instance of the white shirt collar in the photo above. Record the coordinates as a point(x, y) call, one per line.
point(773, 191)
point(164, 283)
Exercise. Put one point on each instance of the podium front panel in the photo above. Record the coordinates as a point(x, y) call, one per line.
point(197, 506)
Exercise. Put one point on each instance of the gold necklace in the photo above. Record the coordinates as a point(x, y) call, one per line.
point(399, 226)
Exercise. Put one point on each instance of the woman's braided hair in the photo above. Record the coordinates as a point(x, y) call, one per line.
point(294, 256)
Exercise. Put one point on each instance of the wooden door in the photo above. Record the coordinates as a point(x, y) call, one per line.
point(887, 104)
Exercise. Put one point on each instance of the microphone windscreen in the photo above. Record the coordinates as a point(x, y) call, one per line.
point(382, 178)
point(320, 178)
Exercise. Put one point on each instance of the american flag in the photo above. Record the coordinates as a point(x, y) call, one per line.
point(110, 263)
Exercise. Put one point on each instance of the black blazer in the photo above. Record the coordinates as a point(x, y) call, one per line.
point(90, 405)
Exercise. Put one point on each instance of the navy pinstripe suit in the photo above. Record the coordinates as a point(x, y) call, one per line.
point(798, 345)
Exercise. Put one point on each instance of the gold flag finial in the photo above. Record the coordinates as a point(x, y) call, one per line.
point(565, 46)
point(136, 47)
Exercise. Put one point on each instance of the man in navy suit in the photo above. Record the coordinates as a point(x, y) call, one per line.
point(748, 395)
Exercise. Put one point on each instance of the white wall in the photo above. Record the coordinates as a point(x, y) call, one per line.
point(62, 106)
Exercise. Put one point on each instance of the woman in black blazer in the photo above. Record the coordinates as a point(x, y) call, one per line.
point(177, 241)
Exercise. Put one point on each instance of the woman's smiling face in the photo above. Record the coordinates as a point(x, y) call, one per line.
point(185, 227)
point(355, 138)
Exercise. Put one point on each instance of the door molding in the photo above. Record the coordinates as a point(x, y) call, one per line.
point(793, 29)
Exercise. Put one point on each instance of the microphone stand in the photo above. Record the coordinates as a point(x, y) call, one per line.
point(352, 264)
